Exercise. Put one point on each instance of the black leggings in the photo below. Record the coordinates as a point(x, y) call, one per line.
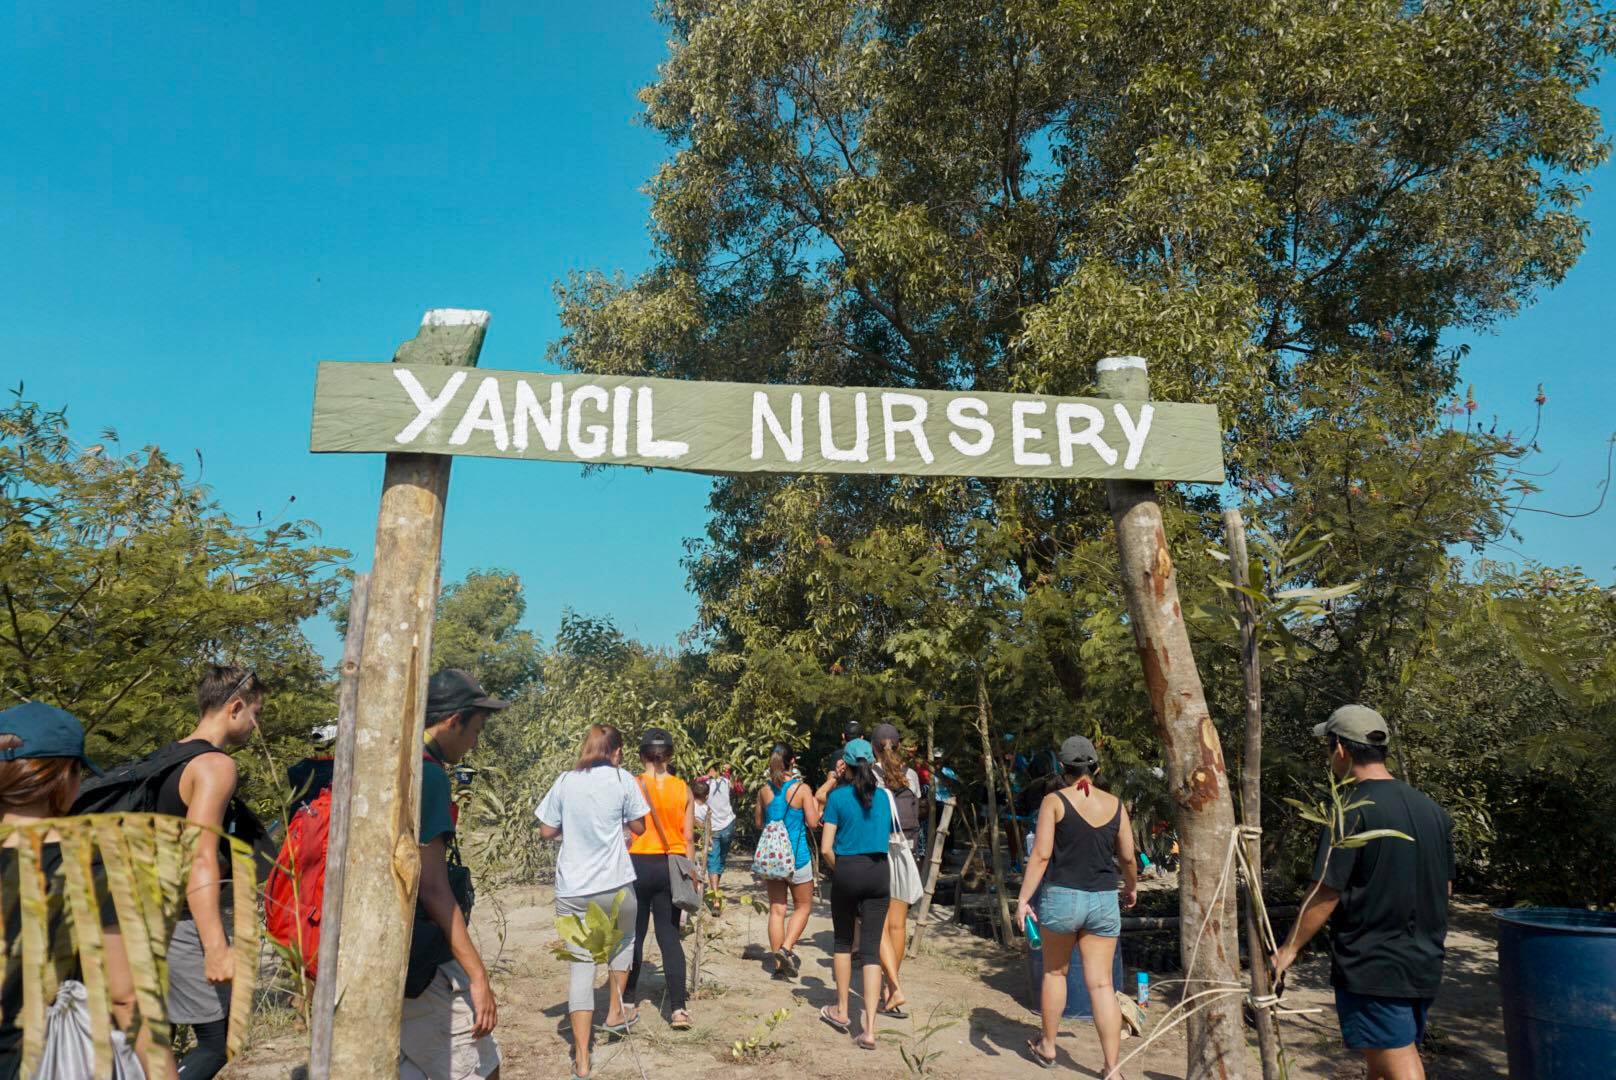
point(859, 889)
point(208, 1057)
point(654, 891)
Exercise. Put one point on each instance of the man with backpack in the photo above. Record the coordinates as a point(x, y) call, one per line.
point(195, 778)
point(449, 1009)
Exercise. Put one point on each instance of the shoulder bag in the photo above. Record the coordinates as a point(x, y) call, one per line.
point(686, 885)
point(905, 883)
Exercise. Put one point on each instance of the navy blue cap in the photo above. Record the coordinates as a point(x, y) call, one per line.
point(45, 731)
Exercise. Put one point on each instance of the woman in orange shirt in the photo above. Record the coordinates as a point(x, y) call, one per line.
point(668, 832)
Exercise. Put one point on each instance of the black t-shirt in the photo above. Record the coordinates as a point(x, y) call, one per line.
point(59, 944)
point(1389, 927)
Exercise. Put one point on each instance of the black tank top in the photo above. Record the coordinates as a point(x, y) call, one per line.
point(169, 801)
point(1085, 856)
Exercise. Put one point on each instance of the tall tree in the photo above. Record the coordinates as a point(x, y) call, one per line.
point(1262, 199)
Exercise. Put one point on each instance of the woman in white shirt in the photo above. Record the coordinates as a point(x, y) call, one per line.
point(588, 807)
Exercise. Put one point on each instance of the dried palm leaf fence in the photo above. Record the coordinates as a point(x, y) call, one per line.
point(138, 863)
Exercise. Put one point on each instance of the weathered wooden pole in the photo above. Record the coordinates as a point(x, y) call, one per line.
point(1234, 531)
point(934, 863)
point(384, 855)
point(1191, 749)
point(336, 858)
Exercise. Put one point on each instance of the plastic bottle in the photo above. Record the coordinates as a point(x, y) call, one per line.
point(1144, 990)
point(1033, 937)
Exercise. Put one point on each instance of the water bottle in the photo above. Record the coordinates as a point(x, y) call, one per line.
point(1144, 990)
point(1033, 937)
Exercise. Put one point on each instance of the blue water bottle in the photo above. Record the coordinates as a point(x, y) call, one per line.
point(1144, 990)
point(1033, 937)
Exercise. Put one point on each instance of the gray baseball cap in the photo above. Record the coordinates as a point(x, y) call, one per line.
point(1355, 723)
point(1078, 750)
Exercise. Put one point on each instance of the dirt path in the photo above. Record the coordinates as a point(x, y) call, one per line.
point(969, 991)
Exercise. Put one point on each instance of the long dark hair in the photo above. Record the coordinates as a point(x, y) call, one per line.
point(864, 783)
point(601, 741)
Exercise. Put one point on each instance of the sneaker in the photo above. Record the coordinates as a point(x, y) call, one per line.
point(793, 963)
point(781, 965)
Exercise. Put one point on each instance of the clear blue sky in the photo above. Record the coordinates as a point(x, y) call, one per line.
point(202, 200)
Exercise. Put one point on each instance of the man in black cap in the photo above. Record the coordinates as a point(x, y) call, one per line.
point(1388, 897)
point(447, 1023)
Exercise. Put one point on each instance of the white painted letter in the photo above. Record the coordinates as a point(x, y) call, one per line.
point(861, 431)
point(1134, 435)
point(647, 444)
point(915, 425)
point(596, 443)
point(1021, 434)
point(427, 408)
point(763, 413)
point(621, 396)
point(527, 411)
point(1068, 411)
point(958, 417)
point(485, 413)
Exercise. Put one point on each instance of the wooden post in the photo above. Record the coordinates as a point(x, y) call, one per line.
point(384, 855)
point(701, 913)
point(1192, 751)
point(336, 857)
point(1234, 531)
point(995, 857)
point(934, 864)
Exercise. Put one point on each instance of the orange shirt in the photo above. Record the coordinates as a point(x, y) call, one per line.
point(668, 796)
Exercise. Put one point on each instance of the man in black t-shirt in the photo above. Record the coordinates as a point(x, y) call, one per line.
point(1388, 898)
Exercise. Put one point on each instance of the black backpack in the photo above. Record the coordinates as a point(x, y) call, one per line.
point(134, 788)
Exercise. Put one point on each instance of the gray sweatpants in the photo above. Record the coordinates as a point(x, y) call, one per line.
point(581, 990)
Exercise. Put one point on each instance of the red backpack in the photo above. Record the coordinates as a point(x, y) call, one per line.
point(295, 894)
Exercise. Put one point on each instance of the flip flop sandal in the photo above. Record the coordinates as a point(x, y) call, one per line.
point(844, 1026)
point(677, 1024)
point(862, 1045)
point(894, 1011)
point(621, 1030)
point(1037, 1055)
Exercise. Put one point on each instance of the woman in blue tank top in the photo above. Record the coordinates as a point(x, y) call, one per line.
point(787, 799)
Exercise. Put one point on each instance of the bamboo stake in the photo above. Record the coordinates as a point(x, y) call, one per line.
point(995, 858)
point(1234, 529)
point(934, 864)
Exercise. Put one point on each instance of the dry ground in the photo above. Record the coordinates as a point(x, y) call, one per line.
point(969, 990)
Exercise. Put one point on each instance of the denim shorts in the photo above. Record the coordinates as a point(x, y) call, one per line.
point(1066, 911)
point(718, 854)
point(1380, 1023)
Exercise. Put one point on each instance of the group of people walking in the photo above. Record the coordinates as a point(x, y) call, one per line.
point(627, 842)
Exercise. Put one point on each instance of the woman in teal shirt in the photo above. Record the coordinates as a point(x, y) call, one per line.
point(857, 825)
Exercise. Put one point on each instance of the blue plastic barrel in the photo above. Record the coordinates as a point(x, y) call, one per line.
point(1078, 1006)
point(1557, 975)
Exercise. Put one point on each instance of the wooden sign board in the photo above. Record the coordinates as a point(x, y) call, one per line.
point(720, 427)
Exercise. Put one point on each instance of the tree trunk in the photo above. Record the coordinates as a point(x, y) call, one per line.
point(1191, 750)
point(384, 853)
point(336, 857)
point(995, 857)
point(1234, 529)
point(934, 863)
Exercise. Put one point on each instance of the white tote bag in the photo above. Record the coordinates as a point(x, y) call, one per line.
point(905, 884)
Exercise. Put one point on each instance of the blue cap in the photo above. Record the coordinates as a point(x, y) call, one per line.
point(45, 731)
point(858, 750)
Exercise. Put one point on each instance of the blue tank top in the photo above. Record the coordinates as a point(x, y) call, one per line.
point(796, 825)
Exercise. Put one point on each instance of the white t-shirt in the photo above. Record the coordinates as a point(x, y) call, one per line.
point(719, 802)
point(591, 808)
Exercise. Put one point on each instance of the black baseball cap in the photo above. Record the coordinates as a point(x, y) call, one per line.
point(655, 737)
point(46, 732)
point(453, 690)
point(852, 730)
point(886, 733)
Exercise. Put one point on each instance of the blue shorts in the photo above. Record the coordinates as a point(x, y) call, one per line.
point(1380, 1023)
point(718, 854)
point(1066, 911)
